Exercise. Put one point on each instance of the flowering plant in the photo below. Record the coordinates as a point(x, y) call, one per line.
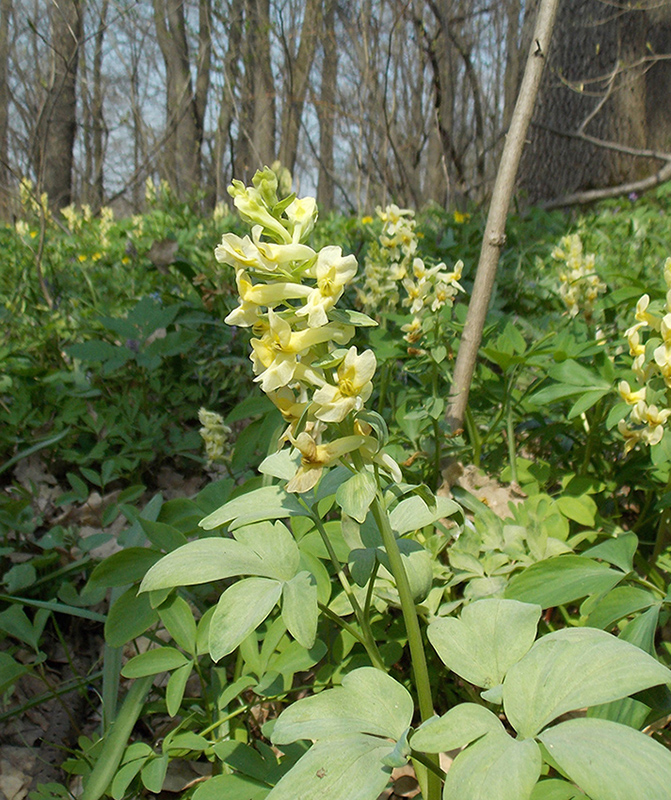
point(287, 296)
point(649, 341)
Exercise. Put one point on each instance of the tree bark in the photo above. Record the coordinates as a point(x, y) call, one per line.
point(601, 80)
point(297, 77)
point(57, 121)
point(5, 173)
point(184, 109)
point(494, 236)
point(326, 109)
point(256, 139)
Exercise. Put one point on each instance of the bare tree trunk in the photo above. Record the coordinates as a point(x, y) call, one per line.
point(494, 236)
point(57, 121)
point(227, 104)
point(256, 138)
point(327, 108)
point(97, 117)
point(5, 173)
point(596, 84)
point(184, 108)
point(297, 83)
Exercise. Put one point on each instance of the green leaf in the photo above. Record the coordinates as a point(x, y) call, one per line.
point(241, 609)
point(487, 640)
point(174, 691)
point(203, 561)
point(295, 658)
point(335, 768)
point(126, 566)
point(571, 669)
point(580, 509)
point(496, 766)
point(231, 787)
point(356, 494)
point(586, 401)
point(629, 711)
point(275, 545)
point(299, 608)
point(10, 671)
point(555, 789)
point(129, 617)
point(268, 502)
point(619, 603)
point(369, 701)
point(349, 317)
point(153, 773)
point(242, 758)
point(160, 659)
point(560, 580)
point(619, 551)
point(418, 567)
point(610, 761)
point(460, 726)
point(162, 536)
point(179, 621)
point(413, 513)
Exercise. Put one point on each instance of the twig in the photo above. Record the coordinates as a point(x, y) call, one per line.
point(494, 236)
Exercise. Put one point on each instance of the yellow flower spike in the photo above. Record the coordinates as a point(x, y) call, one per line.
point(333, 272)
point(314, 457)
point(354, 387)
point(630, 397)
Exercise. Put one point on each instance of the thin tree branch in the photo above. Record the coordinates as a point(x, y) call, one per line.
point(494, 236)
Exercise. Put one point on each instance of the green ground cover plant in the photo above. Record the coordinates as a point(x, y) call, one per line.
point(332, 604)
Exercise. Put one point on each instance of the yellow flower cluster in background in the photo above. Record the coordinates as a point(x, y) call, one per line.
point(287, 294)
point(580, 285)
point(650, 346)
point(215, 435)
point(392, 263)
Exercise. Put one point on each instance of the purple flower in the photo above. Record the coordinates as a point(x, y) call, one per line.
point(633, 197)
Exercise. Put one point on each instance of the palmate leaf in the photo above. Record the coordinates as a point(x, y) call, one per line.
point(487, 640)
point(571, 669)
point(610, 761)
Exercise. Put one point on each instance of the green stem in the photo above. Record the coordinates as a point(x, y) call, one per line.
point(663, 537)
point(342, 624)
point(415, 643)
point(429, 763)
point(368, 639)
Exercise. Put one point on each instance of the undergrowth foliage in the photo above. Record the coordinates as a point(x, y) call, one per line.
point(343, 598)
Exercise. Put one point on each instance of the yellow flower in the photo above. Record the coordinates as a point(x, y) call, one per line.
point(460, 218)
point(82, 258)
point(125, 260)
point(333, 272)
point(262, 294)
point(314, 457)
point(354, 387)
point(302, 214)
point(630, 397)
point(367, 220)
